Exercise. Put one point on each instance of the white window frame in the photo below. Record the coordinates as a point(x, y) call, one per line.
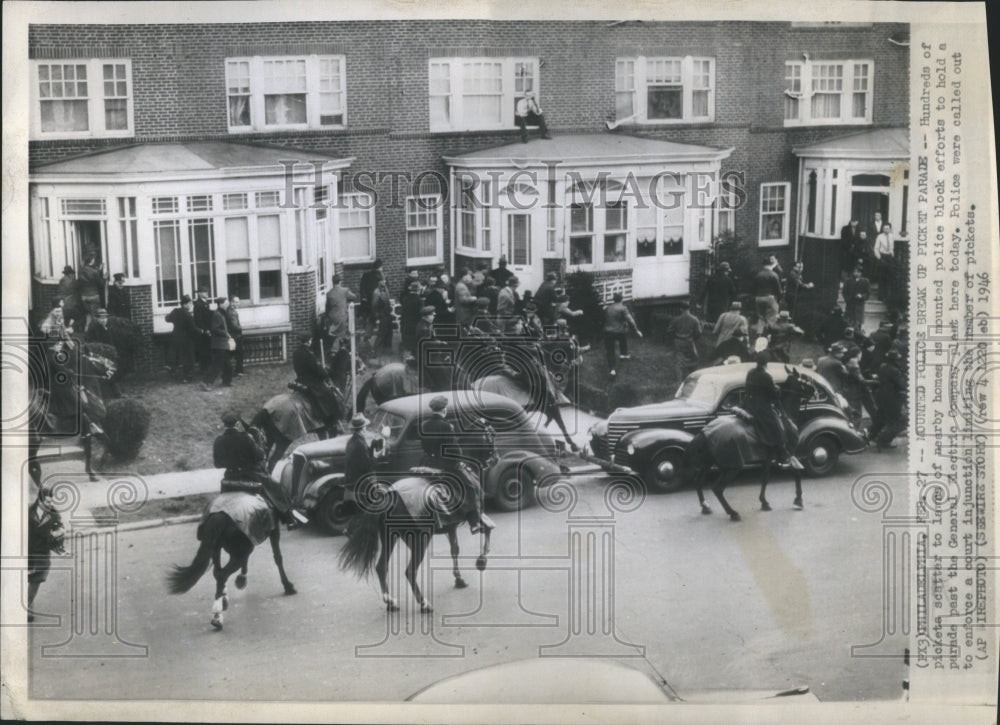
point(253, 84)
point(425, 203)
point(356, 203)
point(253, 217)
point(785, 215)
point(95, 97)
point(727, 203)
point(803, 90)
point(633, 75)
point(450, 86)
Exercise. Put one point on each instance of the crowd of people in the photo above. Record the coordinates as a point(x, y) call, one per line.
point(208, 335)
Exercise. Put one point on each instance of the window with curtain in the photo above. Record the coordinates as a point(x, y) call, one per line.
point(581, 233)
point(825, 92)
point(423, 228)
point(664, 89)
point(238, 257)
point(357, 226)
point(275, 92)
point(166, 239)
point(467, 94)
point(615, 231)
point(269, 256)
point(81, 98)
point(774, 213)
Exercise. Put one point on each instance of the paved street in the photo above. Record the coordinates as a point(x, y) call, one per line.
point(700, 602)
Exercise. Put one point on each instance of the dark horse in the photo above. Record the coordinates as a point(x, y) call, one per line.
point(412, 510)
point(289, 416)
point(235, 522)
point(399, 379)
point(66, 402)
point(730, 444)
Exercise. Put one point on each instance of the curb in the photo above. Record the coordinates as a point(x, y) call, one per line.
point(153, 523)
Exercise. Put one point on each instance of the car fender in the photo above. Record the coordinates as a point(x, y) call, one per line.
point(849, 438)
point(541, 468)
point(316, 490)
point(647, 441)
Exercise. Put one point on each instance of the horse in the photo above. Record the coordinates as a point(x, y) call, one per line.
point(291, 415)
point(730, 443)
point(235, 522)
point(412, 510)
point(399, 379)
point(68, 403)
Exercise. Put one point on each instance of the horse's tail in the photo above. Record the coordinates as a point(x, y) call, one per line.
point(366, 389)
point(181, 578)
point(362, 548)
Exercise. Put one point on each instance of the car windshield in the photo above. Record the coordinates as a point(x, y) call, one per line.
point(702, 389)
point(384, 419)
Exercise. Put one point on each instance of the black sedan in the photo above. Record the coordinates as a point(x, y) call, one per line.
point(313, 474)
point(649, 440)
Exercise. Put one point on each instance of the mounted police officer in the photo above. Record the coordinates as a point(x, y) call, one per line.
point(443, 451)
point(314, 380)
point(763, 402)
point(244, 458)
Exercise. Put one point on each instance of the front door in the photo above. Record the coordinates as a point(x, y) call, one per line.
point(519, 247)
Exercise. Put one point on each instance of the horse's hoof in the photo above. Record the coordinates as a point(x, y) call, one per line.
point(765, 506)
point(705, 510)
point(460, 583)
point(797, 503)
point(481, 563)
point(735, 517)
point(426, 608)
point(217, 623)
point(289, 590)
point(391, 607)
point(241, 582)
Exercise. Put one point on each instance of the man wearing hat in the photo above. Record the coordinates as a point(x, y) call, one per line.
point(98, 330)
point(366, 291)
point(763, 402)
point(337, 301)
point(856, 292)
point(91, 285)
point(508, 301)
point(684, 330)
point(733, 346)
point(767, 293)
point(118, 301)
point(412, 276)
point(203, 321)
point(183, 338)
point(890, 399)
point(236, 331)
point(483, 320)
point(315, 382)
point(359, 461)
point(425, 327)
point(831, 366)
point(66, 293)
point(832, 328)
point(719, 291)
point(730, 322)
point(46, 536)
point(443, 451)
point(465, 302)
point(533, 325)
point(244, 460)
point(782, 331)
point(501, 274)
point(222, 345)
point(411, 305)
point(849, 342)
point(617, 320)
point(545, 299)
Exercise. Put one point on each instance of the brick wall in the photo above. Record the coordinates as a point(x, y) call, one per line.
point(301, 303)
point(180, 94)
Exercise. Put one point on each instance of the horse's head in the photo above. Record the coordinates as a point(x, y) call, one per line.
point(796, 388)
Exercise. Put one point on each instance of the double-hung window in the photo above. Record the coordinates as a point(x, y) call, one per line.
point(253, 247)
point(81, 98)
point(423, 229)
point(274, 93)
point(357, 227)
point(665, 90)
point(774, 208)
point(824, 92)
point(471, 94)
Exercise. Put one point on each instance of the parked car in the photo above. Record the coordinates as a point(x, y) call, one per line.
point(313, 473)
point(649, 440)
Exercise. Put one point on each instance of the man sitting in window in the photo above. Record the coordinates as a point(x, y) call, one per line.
point(527, 111)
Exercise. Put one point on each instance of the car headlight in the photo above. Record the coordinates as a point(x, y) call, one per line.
point(630, 449)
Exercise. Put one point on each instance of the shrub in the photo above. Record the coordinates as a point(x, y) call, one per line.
point(583, 296)
point(127, 339)
point(125, 427)
point(743, 258)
